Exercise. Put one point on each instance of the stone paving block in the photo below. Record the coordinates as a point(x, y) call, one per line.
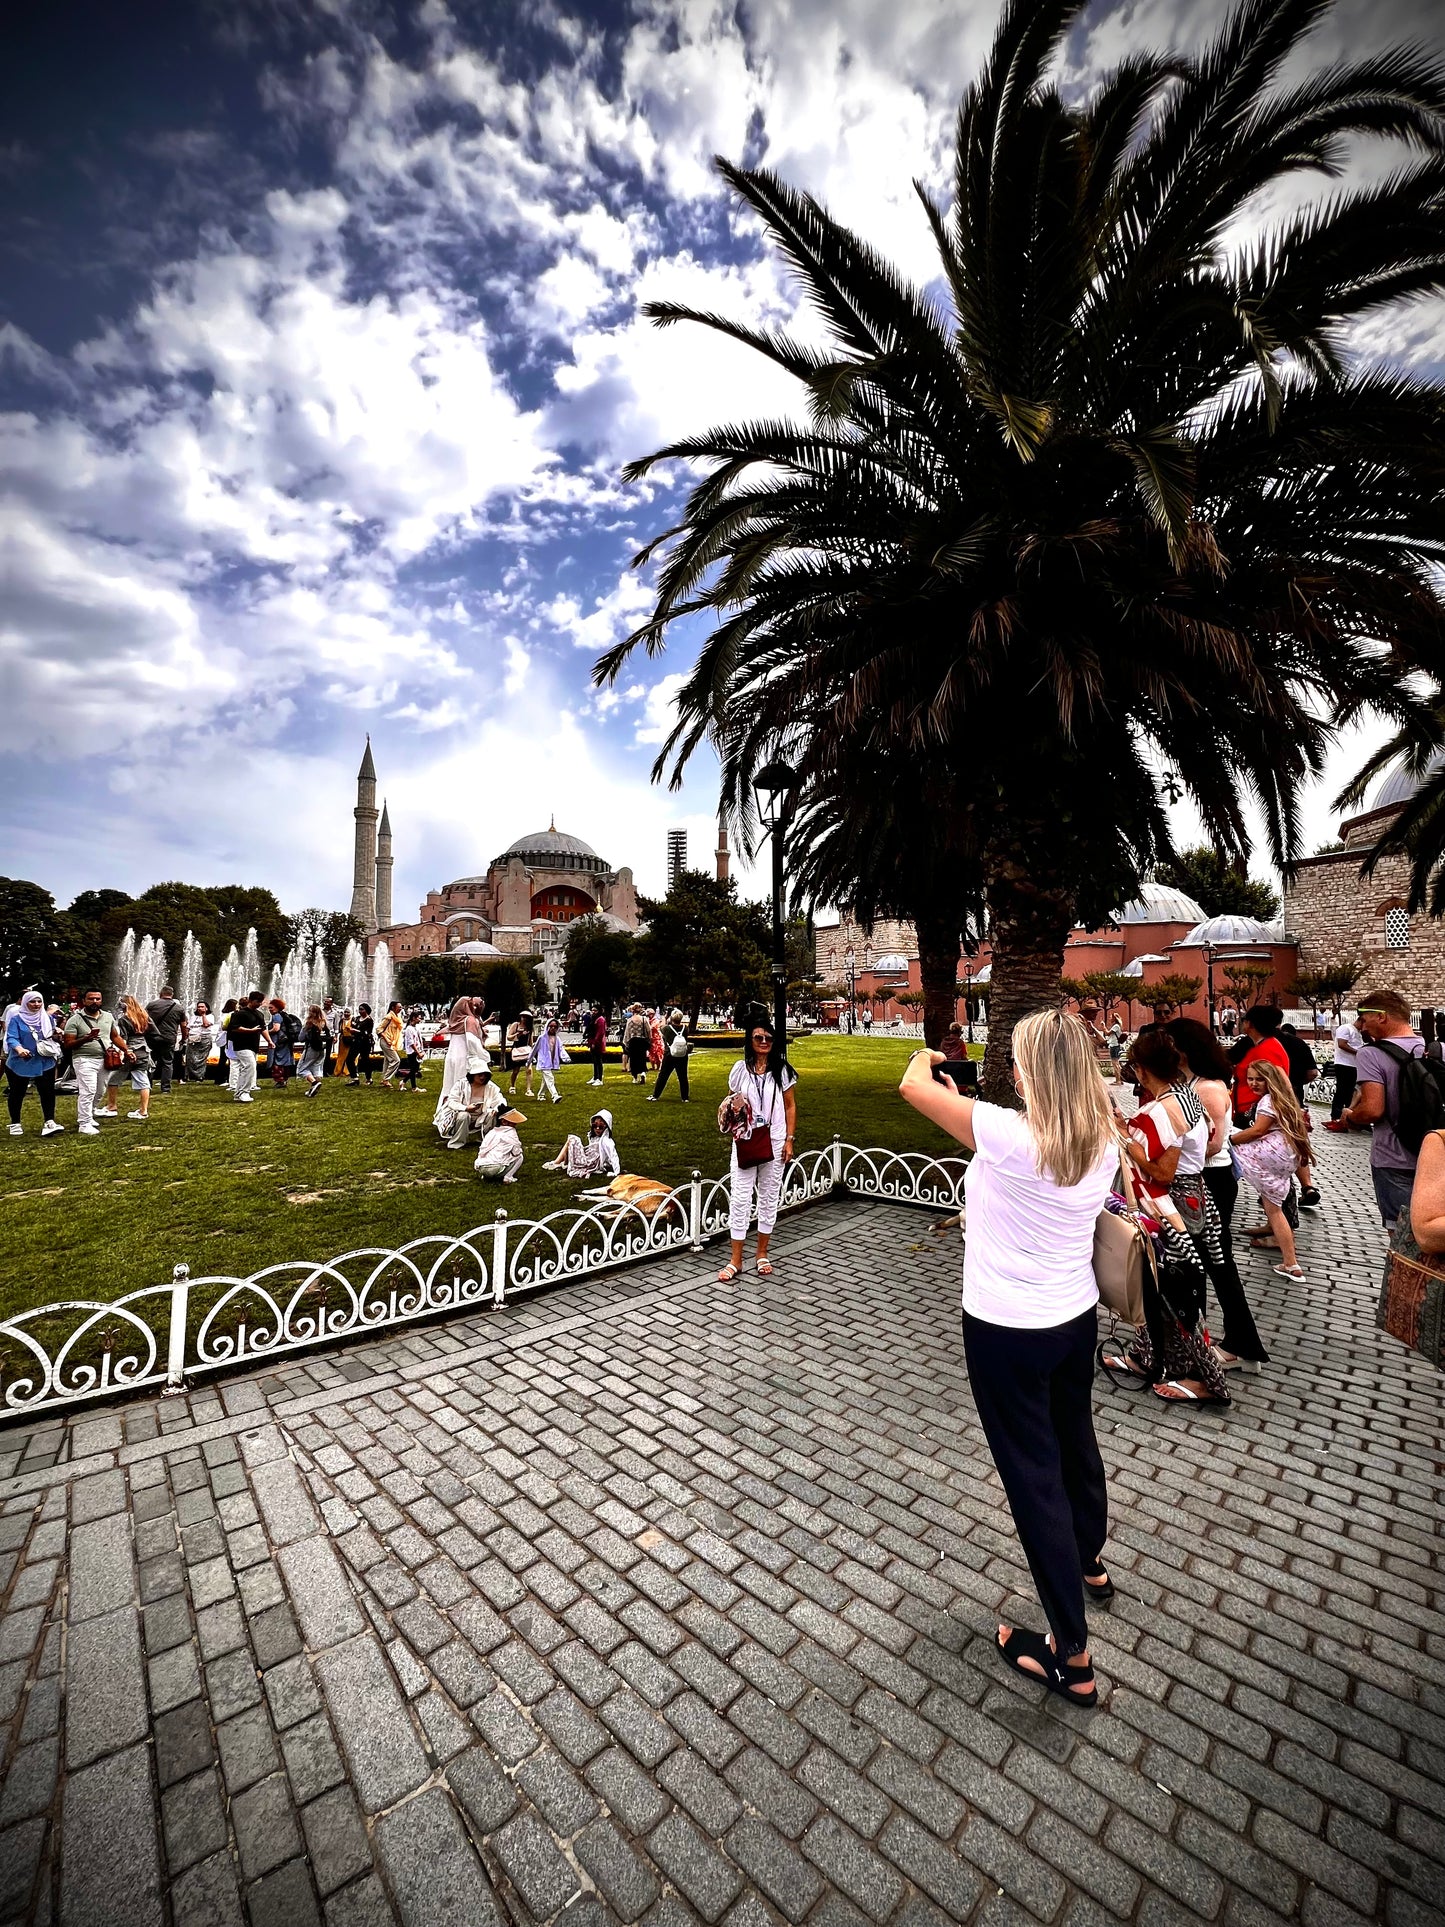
point(381, 1748)
point(109, 1828)
point(105, 1689)
point(291, 1692)
point(283, 1898)
point(193, 1819)
point(630, 1793)
point(504, 1727)
point(697, 1788)
point(264, 1819)
point(854, 1868)
point(102, 1568)
point(556, 1792)
point(30, 1781)
point(542, 1876)
point(624, 1879)
point(206, 1895)
point(336, 1840)
point(482, 1788)
point(778, 1869)
point(644, 1735)
point(572, 1730)
point(248, 1752)
point(325, 1604)
point(697, 1869)
point(175, 1677)
point(285, 1504)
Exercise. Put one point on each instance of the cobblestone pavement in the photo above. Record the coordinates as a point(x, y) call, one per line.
point(657, 1601)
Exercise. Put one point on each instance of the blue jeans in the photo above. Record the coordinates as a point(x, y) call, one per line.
point(1392, 1190)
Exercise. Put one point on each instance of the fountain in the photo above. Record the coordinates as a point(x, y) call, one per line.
point(301, 980)
point(188, 983)
point(140, 968)
point(250, 965)
point(353, 975)
point(382, 979)
point(228, 979)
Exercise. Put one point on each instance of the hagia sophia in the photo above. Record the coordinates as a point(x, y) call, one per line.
point(520, 906)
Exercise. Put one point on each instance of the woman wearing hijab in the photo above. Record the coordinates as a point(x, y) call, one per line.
point(594, 1156)
point(31, 1052)
point(461, 1025)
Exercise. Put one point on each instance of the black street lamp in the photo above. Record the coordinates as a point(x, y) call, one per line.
point(968, 996)
point(774, 784)
point(850, 960)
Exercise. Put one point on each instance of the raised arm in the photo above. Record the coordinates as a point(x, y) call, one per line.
point(941, 1104)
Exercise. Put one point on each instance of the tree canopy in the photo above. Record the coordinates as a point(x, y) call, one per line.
point(701, 945)
point(1222, 886)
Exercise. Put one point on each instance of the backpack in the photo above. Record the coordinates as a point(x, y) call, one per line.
point(291, 1026)
point(1420, 1095)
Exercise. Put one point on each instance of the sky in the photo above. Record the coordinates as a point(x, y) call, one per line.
point(321, 354)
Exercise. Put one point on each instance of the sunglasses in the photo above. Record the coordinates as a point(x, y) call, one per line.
point(761, 1038)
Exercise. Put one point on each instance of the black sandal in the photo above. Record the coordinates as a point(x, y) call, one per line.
point(1092, 1573)
point(1056, 1676)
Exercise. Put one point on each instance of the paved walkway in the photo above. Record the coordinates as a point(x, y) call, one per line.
point(651, 1600)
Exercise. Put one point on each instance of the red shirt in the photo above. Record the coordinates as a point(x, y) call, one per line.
point(1271, 1051)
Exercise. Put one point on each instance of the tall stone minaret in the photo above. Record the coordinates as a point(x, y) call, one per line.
point(383, 872)
point(363, 880)
point(722, 851)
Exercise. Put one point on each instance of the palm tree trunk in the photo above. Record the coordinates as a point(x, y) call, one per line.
point(938, 967)
point(1030, 917)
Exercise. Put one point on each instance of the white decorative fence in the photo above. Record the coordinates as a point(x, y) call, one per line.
point(162, 1335)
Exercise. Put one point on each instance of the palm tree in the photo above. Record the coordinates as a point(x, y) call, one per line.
point(1110, 516)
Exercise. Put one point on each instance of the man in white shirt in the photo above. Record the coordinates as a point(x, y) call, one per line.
point(1349, 1042)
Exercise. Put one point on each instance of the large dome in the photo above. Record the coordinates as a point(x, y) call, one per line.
point(1159, 903)
point(539, 845)
point(1398, 785)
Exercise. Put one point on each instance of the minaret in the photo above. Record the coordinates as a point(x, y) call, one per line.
point(722, 851)
point(363, 880)
point(383, 872)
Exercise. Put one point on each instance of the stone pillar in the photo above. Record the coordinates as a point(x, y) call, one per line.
point(383, 872)
point(363, 878)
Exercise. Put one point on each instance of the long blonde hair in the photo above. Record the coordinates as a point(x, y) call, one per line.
point(133, 1012)
point(1287, 1112)
point(1069, 1112)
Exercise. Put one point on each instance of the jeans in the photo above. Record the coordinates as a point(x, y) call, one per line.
point(767, 1179)
point(1392, 1191)
point(43, 1086)
point(672, 1065)
point(1346, 1077)
point(1034, 1394)
point(89, 1071)
point(163, 1051)
point(245, 1073)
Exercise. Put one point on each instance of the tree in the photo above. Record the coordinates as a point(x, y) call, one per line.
point(702, 945)
point(1244, 983)
point(328, 930)
point(598, 963)
point(1110, 987)
point(1117, 516)
point(505, 989)
point(1222, 886)
point(1332, 983)
point(428, 980)
point(32, 936)
point(1170, 995)
point(1073, 990)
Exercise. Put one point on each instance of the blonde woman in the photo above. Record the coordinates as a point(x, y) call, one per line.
point(1035, 1186)
point(134, 1027)
point(1270, 1152)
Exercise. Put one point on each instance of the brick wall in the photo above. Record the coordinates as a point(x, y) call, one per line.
point(1335, 912)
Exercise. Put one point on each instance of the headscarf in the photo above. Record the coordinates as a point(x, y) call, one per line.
point(460, 1016)
point(32, 1009)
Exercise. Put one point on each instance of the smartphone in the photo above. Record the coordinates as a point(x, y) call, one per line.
point(961, 1072)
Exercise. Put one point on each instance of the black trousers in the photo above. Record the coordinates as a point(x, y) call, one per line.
point(1346, 1077)
point(1240, 1336)
point(671, 1065)
point(1034, 1394)
point(43, 1086)
point(599, 1058)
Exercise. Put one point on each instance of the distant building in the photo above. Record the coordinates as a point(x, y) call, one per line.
point(519, 906)
point(723, 860)
point(1338, 914)
point(676, 856)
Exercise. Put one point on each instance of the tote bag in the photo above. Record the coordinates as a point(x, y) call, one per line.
point(1122, 1249)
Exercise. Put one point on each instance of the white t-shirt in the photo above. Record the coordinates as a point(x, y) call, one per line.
point(1348, 1041)
point(1028, 1255)
point(760, 1088)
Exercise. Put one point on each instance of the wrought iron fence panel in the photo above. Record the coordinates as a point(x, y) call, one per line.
point(80, 1349)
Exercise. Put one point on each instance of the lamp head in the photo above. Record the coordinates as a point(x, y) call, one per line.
point(773, 782)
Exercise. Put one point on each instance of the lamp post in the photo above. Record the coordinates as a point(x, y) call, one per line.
point(774, 784)
point(968, 997)
point(850, 960)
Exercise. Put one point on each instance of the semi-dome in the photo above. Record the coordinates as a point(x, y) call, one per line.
point(894, 962)
point(474, 949)
point(1161, 903)
point(1398, 785)
point(1230, 929)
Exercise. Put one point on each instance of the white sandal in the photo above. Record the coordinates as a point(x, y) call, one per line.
point(728, 1273)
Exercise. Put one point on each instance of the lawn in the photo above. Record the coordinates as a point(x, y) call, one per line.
point(228, 1188)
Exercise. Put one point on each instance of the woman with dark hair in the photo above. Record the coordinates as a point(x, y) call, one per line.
point(1210, 1074)
point(765, 1111)
point(363, 1030)
point(1167, 1139)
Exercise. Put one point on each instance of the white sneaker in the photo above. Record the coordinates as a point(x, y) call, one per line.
point(99, 1114)
point(17, 1130)
point(90, 1130)
point(50, 1129)
point(135, 1117)
point(244, 1099)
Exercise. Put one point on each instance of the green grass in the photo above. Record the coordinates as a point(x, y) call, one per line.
point(229, 1188)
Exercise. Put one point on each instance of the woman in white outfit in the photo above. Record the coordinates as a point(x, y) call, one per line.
point(768, 1089)
point(464, 1043)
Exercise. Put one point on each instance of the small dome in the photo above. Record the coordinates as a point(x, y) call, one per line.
point(894, 963)
point(1216, 930)
point(1399, 786)
point(540, 844)
point(1134, 968)
point(1160, 903)
point(474, 949)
